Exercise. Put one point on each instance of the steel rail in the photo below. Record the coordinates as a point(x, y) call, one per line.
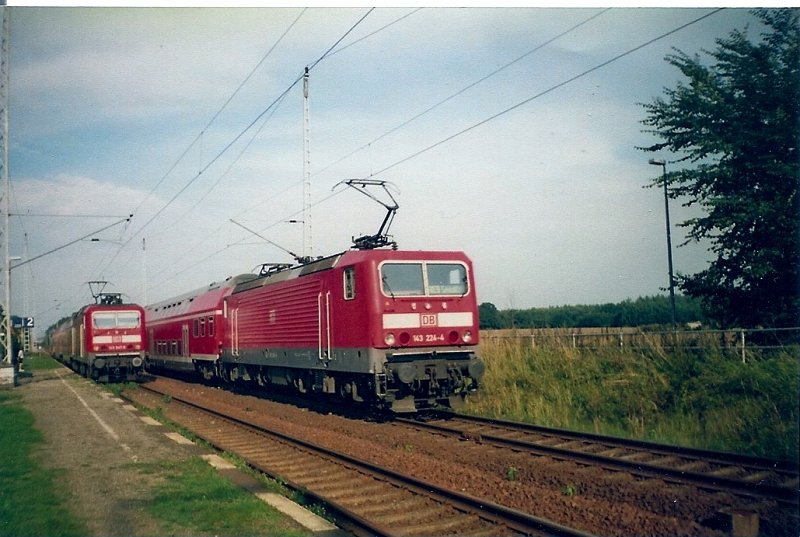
point(718, 457)
point(514, 519)
point(786, 495)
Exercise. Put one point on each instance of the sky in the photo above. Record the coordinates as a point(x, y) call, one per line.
point(192, 120)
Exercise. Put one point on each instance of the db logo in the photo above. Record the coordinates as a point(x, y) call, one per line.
point(428, 319)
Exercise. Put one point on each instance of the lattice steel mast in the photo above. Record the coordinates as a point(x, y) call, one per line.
point(6, 187)
point(308, 250)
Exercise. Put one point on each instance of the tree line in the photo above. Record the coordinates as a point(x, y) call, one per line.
point(643, 311)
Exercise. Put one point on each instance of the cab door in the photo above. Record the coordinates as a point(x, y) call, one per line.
point(324, 324)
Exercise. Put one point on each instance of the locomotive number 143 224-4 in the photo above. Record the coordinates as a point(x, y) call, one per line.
point(427, 338)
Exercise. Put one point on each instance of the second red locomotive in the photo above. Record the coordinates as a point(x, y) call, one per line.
point(103, 341)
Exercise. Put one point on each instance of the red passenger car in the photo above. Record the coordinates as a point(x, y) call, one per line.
point(102, 341)
point(184, 333)
point(393, 328)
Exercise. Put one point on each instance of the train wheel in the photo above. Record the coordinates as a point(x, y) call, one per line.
point(300, 385)
point(207, 373)
point(348, 391)
point(225, 374)
point(261, 378)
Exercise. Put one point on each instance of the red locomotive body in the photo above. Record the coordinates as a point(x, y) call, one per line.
point(102, 341)
point(394, 328)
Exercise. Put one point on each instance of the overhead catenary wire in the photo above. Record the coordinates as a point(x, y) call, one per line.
point(232, 142)
point(463, 90)
point(439, 103)
point(197, 138)
point(221, 109)
point(548, 90)
point(162, 281)
point(382, 28)
point(247, 128)
point(513, 107)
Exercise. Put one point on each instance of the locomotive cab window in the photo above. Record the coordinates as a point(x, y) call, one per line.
point(116, 319)
point(447, 279)
point(349, 276)
point(424, 279)
point(402, 279)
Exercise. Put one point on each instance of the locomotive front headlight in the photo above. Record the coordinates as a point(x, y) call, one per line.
point(99, 363)
point(389, 339)
point(467, 337)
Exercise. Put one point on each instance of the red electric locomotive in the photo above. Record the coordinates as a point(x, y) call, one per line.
point(103, 341)
point(393, 328)
point(398, 328)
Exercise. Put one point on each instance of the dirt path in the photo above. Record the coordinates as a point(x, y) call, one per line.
point(95, 443)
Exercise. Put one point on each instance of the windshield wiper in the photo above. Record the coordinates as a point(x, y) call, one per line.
point(387, 287)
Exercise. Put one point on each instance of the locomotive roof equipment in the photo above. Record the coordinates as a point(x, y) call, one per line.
point(382, 237)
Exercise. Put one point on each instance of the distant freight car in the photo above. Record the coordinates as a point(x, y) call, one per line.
point(105, 341)
point(397, 329)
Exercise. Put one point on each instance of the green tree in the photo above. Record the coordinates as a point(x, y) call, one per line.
point(489, 316)
point(734, 126)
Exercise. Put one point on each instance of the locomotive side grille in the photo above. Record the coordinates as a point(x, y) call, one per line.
point(287, 314)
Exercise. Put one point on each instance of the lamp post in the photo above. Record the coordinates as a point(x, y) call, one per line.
point(663, 165)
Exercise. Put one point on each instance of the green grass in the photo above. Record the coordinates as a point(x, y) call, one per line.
point(706, 399)
point(39, 362)
point(196, 497)
point(188, 495)
point(31, 501)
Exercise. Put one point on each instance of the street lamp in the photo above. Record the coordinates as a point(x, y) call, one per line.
point(663, 165)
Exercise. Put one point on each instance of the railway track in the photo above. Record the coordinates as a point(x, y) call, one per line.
point(752, 477)
point(364, 498)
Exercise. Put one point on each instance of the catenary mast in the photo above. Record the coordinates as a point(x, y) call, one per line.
point(6, 187)
point(308, 250)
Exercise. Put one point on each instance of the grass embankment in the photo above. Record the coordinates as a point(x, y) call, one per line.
point(194, 496)
point(189, 497)
point(39, 362)
point(31, 502)
point(703, 399)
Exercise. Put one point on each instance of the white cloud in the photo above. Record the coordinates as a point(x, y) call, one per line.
point(547, 199)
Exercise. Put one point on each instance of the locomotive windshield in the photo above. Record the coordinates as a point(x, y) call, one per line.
point(424, 279)
point(116, 319)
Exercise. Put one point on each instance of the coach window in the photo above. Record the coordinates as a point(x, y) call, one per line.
point(202, 327)
point(210, 327)
point(349, 283)
point(195, 328)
